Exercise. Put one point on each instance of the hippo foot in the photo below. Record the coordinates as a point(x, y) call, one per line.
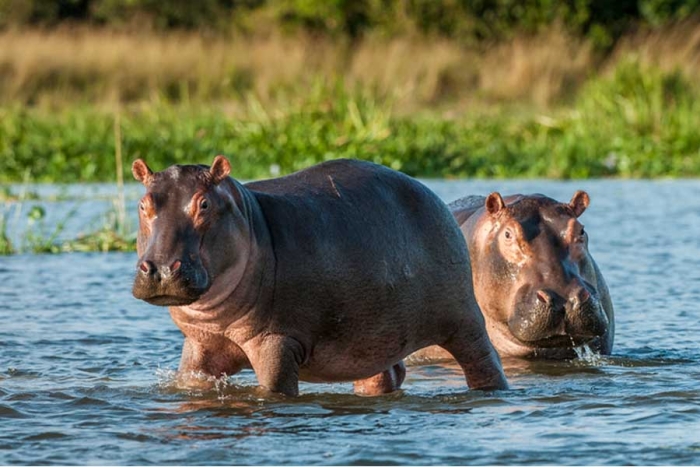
point(383, 383)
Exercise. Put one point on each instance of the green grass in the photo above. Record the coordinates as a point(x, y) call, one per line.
point(635, 123)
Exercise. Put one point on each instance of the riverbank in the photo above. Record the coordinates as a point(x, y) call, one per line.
point(546, 105)
point(637, 122)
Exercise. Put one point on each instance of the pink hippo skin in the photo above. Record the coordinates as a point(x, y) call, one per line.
point(334, 273)
point(537, 285)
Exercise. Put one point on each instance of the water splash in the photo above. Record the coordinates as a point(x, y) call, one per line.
point(588, 356)
point(194, 382)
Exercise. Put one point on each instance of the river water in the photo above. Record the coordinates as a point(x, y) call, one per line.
point(87, 371)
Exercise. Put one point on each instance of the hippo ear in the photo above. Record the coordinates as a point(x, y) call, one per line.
point(579, 202)
point(494, 203)
point(141, 172)
point(220, 169)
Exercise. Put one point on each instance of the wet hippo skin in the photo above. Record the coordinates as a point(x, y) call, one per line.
point(537, 285)
point(334, 273)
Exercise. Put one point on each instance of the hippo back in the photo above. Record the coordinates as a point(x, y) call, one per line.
point(463, 208)
point(360, 241)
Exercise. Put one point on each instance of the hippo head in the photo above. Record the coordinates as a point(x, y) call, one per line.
point(531, 264)
point(182, 217)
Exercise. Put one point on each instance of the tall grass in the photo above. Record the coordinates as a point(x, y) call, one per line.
point(60, 67)
point(637, 122)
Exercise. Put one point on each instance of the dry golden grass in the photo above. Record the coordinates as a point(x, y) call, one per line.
point(675, 47)
point(540, 69)
point(104, 67)
point(99, 65)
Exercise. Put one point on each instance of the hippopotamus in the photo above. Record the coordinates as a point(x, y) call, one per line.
point(334, 273)
point(536, 283)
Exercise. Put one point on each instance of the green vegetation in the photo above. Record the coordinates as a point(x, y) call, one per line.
point(105, 234)
point(636, 123)
point(462, 20)
point(6, 247)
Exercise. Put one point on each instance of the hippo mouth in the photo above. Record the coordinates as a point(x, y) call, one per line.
point(181, 288)
point(169, 300)
point(542, 326)
point(167, 296)
point(559, 341)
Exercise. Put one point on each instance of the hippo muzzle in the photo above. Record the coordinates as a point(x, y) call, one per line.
point(543, 318)
point(175, 283)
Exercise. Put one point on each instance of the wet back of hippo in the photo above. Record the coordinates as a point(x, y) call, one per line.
point(350, 268)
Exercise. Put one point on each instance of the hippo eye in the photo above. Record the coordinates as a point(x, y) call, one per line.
point(583, 231)
point(142, 206)
point(204, 204)
point(508, 235)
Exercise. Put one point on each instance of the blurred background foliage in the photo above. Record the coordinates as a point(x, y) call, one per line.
point(448, 88)
point(464, 20)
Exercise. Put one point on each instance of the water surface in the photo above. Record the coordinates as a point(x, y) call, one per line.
point(87, 371)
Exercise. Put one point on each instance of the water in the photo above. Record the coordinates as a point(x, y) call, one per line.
point(86, 371)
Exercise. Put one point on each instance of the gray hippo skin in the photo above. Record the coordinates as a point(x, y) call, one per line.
point(334, 273)
point(537, 285)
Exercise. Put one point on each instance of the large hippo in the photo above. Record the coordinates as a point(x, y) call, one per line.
point(537, 285)
point(334, 273)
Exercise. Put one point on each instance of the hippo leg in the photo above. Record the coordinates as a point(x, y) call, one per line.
point(382, 383)
point(275, 360)
point(478, 359)
point(217, 358)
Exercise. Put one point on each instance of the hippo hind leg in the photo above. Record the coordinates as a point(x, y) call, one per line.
point(382, 383)
point(478, 359)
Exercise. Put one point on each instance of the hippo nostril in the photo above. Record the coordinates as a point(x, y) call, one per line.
point(581, 297)
point(175, 266)
point(544, 297)
point(147, 268)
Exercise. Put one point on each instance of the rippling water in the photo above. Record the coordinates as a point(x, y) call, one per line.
point(87, 372)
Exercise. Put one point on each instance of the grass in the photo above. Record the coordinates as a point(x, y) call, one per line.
point(639, 121)
point(6, 246)
point(55, 67)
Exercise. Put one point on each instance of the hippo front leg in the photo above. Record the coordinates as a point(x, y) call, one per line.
point(383, 383)
point(276, 360)
point(217, 357)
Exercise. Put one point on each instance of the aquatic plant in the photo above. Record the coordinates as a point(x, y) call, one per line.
point(6, 247)
point(110, 231)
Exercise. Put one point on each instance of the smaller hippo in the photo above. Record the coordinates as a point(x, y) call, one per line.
point(537, 285)
point(334, 273)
